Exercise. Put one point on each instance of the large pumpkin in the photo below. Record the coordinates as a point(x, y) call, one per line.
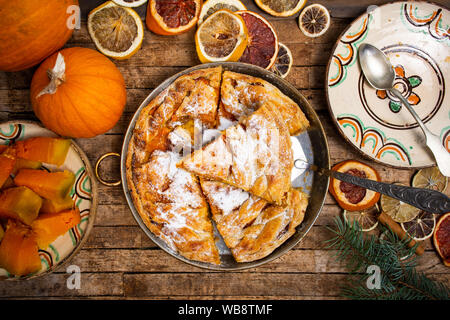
point(78, 93)
point(31, 30)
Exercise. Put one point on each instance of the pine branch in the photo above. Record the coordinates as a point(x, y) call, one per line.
point(397, 264)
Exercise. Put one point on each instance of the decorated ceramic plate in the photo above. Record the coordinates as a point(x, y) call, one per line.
point(84, 194)
point(416, 38)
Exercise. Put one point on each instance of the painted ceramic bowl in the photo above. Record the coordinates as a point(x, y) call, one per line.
point(84, 194)
point(416, 38)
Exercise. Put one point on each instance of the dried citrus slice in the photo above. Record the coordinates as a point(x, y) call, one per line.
point(397, 210)
point(116, 31)
point(262, 47)
point(283, 62)
point(172, 17)
point(281, 8)
point(221, 37)
point(349, 196)
point(421, 227)
point(314, 20)
point(366, 219)
point(129, 3)
point(211, 6)
point(430, 178)
point(441, 238)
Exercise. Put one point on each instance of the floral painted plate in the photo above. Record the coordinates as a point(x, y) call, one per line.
point(84, 193)
point(416, 38)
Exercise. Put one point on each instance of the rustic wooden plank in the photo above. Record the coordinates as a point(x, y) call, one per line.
point(55, 285)
point(301, 261)
point(233, 284)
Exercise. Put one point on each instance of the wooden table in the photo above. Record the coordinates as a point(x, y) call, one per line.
point(119, 260)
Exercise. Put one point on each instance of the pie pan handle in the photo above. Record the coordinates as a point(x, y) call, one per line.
point(97, 174)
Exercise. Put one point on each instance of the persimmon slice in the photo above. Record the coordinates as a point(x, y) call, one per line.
point(351, 197)
point(441, 238)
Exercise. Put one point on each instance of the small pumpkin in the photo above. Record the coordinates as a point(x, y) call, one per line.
point(32, 30)
point(78, 93)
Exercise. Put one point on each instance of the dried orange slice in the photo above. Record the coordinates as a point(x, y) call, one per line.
point(349, 196)
point(367, 219)
point(172, 17)
point(283, 63)
point(262, 47)
point(398, 210)
point(221, 37)
point(116, 31)
point(211, 6)
point(430, 178)
point(281, 8)
point(441, 238)
point(314, 20)
point(129, 3)
point(421, 227)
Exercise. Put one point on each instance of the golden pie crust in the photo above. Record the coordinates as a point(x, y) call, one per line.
point(200, 109)
point(254, 155)
point(250, 226)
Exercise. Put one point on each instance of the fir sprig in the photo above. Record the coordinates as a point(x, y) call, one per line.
point(397, 264)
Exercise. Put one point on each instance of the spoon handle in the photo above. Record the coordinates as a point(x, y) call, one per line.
point(424, 199)
point(433, 142)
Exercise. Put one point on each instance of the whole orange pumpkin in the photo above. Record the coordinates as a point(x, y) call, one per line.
point(78, 93)
point(31, 30)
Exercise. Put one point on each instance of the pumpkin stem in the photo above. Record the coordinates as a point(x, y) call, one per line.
point(57, 76)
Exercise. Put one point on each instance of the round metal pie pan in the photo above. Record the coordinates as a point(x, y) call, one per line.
point(316, 141)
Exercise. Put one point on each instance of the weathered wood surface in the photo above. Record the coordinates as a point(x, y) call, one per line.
point(120, 261)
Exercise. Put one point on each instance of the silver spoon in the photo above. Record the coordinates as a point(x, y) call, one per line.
point(380, 74)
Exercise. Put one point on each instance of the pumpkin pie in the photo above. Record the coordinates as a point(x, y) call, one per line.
point(254, 155)
point(241, 94)
point(250, 226)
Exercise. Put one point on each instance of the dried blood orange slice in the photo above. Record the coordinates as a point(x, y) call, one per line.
point(349, 196)
point(211, 6)
point(262, 46)
point(441, 238)
point(172, 17)
point(221, 37)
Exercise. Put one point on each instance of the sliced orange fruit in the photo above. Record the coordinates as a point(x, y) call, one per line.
point(421, 227)
point(349, 196)
point(367, 219)
point(211, 6)
point(117, 31)
point(262, 47)
point(430, 178)
point(314, 20)
point(172, 17)
point(221, 37)
point(281, 8)
point(399, 211)
point(284, 60)
point(441, 238)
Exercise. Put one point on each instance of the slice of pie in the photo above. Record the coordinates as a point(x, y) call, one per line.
point(251, 227)
point(172, 206)
point(242, 94)
point(254, 155)
point(192, 96)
